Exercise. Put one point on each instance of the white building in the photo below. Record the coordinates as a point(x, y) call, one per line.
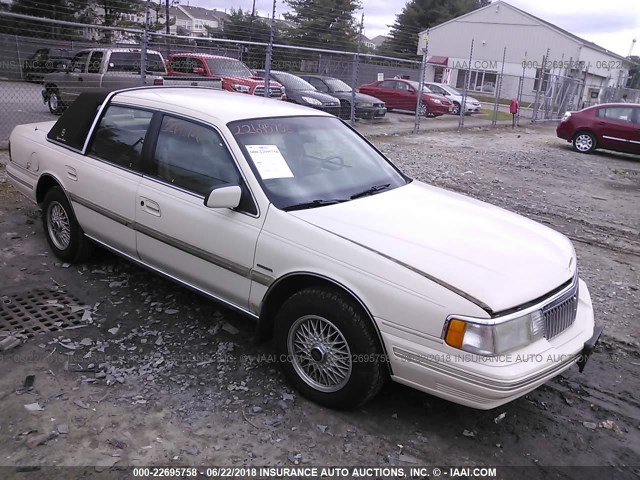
point(529, 41)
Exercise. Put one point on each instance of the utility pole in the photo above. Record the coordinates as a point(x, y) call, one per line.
point(267, 63)
point(166, 17)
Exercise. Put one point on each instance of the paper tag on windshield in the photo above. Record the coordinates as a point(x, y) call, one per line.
point(269, 161)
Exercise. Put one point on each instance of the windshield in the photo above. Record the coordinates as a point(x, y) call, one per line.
point(336, 85)
point(290, 82)
point(228, 66)
point(416, 85)
point(451, 90)
point(312, 159)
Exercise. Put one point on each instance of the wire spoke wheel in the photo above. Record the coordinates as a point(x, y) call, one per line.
point(58, 225)
point(319, 353)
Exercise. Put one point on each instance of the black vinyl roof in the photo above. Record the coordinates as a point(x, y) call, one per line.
point(73, 126)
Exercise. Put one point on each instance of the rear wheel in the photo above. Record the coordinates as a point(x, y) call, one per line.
point(64, 234)
point(55, 103)
point(329, 350)
point(584, 142)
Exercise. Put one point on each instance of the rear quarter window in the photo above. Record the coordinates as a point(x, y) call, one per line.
point(120, 136)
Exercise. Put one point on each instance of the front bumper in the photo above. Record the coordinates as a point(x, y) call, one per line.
point(371, 112)
point(480, 382)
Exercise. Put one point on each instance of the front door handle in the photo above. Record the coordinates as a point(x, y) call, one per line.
point(80, 79)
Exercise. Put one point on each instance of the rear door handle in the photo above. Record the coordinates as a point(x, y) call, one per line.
point(71, 173)
point(150, 206)
point(602, 123)
point(80, 79)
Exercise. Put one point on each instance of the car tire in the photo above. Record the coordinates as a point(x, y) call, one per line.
point(424, 110)
point(584, 142)
point(456, 109)
point(64, 235)
point(54, 102)
point(328, 349)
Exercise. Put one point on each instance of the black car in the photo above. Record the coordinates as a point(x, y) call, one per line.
point(43, 61)
point(366, 105)
point(301, 92)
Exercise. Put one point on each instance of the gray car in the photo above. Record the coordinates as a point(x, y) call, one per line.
point(96, 69)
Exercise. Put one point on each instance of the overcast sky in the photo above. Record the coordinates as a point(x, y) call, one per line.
point(612, 24)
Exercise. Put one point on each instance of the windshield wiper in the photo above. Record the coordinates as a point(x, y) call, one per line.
point(371, 190)
point(312, 204)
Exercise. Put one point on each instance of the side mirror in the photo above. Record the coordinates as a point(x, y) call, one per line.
point(412, 90)
point(223, 197)
point(198, 71)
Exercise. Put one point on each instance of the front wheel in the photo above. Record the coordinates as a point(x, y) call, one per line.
point(424, 110)
point(64, 234)
point(55, 103)
point(327, 349)
point(456, 108)
point(584, 142)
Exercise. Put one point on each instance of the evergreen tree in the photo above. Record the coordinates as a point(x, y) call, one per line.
point(418, 15)
point(65, 10)
point(323, 23)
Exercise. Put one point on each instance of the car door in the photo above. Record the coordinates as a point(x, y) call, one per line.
point(70, 83)
point(92, 80)
point(386, 92)
point(405, 95)
point(104, 184)
point(615, 128)
point(210, 249)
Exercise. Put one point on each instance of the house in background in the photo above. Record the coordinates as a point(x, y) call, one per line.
point(196, 21)
point(378, 40)
point(367, 43)
point(528, 40)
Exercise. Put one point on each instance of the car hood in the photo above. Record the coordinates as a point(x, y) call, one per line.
point(248, 80)
point(323, 97)
point(360, 97)
point(495, 258)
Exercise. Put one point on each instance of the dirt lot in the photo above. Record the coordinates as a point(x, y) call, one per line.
point(152, 374)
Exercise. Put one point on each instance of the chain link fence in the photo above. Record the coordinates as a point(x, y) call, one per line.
point(33, 47)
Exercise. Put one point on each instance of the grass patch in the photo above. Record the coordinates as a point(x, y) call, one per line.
point(501, 115)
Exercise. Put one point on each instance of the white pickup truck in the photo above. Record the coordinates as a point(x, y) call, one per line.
point(286, 214)
point(108, 69)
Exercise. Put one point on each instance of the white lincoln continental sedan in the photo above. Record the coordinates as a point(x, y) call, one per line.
point(357, 272)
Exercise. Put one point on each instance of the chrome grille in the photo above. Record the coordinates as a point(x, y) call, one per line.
point(561, 313)
point(275, 91)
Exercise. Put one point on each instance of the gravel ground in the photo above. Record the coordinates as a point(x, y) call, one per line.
point(156, 375)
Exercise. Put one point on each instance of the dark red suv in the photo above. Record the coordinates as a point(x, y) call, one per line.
point(402, 94)
point(612, 126)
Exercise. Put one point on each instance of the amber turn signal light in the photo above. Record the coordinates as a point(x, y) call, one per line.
point(455, 333)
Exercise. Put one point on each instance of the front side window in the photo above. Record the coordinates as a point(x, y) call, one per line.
point(95, 62)
point(120, 136)
point(79, 62)
point(193, 157)
point(312, 159)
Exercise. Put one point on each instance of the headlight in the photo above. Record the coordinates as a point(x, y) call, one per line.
point(496, 339)
point(311, 101)
point(566, 116)
point(241, 88)
point(364, 104)
point(435, 100)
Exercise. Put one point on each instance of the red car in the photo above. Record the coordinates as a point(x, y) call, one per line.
point(402, 94)
point(236, 76)
point(613, 126)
